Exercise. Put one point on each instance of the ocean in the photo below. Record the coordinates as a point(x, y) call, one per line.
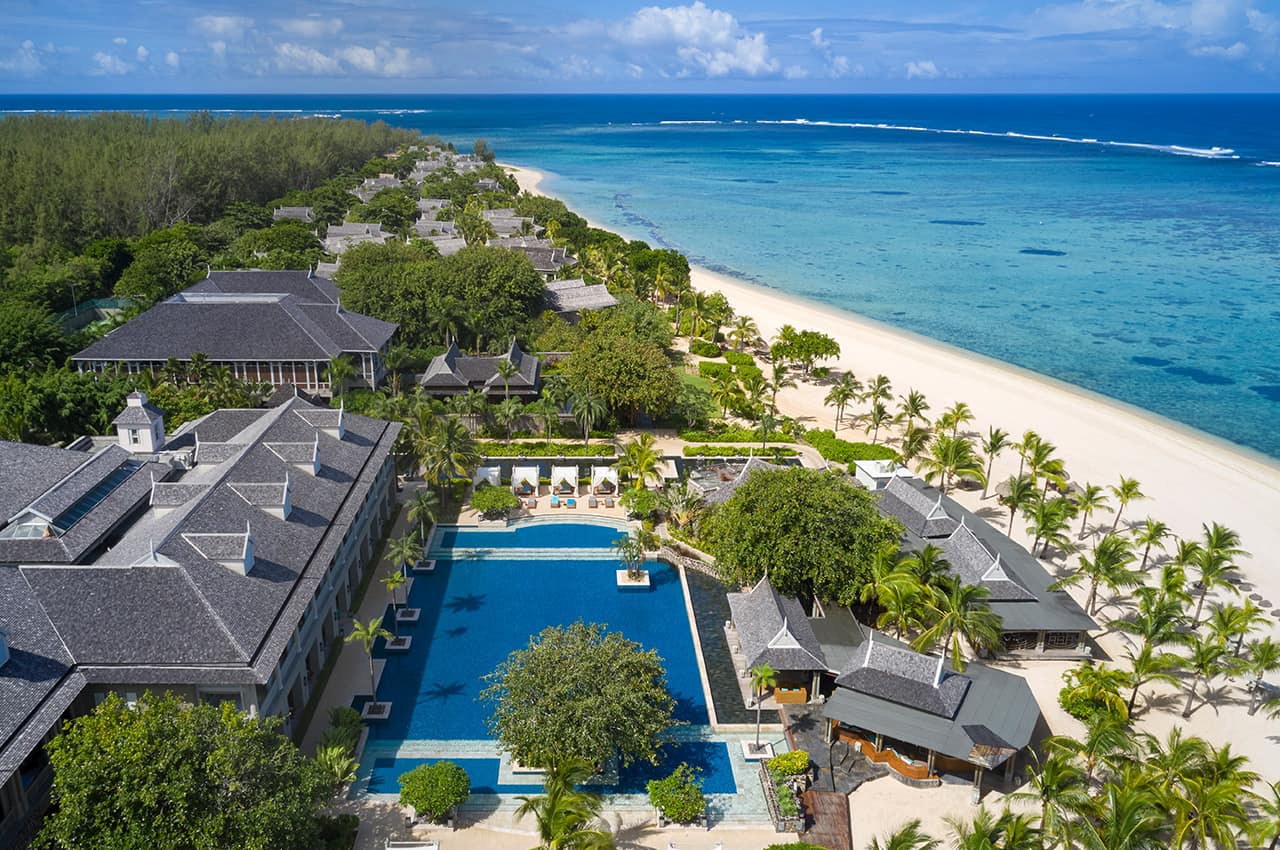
point(1125, 244)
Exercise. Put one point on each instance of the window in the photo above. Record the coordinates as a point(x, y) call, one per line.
point(217, 698)
point(134, 439)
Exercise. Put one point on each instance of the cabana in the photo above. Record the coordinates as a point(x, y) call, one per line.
point(564, 480)
point(604, 480)
point(487, 475)
point(524, 480)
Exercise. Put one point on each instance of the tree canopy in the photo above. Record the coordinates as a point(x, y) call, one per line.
point(169, 774)
point(580, 692)
point(809, 531)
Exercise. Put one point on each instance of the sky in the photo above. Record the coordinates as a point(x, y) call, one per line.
point(396, 46)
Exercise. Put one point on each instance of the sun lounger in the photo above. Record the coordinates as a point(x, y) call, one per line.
point(608, 503)
point(555, 501)
point(531, 504)
point(592, 502)
point(572, 503)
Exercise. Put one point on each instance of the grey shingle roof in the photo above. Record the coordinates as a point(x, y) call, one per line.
point(725, 491)
point(520, 242)
point(454, 371)
point(90, 474)
point(299, 213)
point(308, 287)
point(447, 245)
point(895, 673)
point(26, 471)
point(171, 494)
point(918, 513)
point(546, 260)
point(570, 296)
point(975, 564)
point(138, 415)
point(774, 630)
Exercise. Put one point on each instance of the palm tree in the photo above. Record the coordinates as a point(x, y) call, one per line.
point(1098, 685)
point(1021, 496)
point(1214, 561)
point(393, 582)
point(959, 612)
point(1228, 622)
point(744, 331)
point(1041, 460)
point(838, 397)
point(1025, 447)
point(1158, 619)
point(630, 554)
point(1150, 534)
point(567, 819)
point(1088, 500)
point(1127, 816)
point(404, 550)
point(367, 634)
point(547, 412)
point(906, 837)
point(878, 390)
point(951, 457)
point(993, 444)
point(1050, 520)
point(982, 832)
point(902, 598)
point(1107, 740)
point(779, 382)
point(506, 371)
point(763, 678)
point(915, 440)
point(876, 417)
point(679, 288)
point(396, 359)
point(1210, 812)
point(1108, 567)
point(754, 386)
point(1148, 665)
point(1206, 662)
point(1128, 490)
point(954, 416)
point(1268, 824)
point(447, 451)
point(696, 303)
point(681, 504)
point(472, 404)
point(639, 461)
point(508, 412)
point(1262, 658)
point(340, 371)
point(912, 406)
point(726, 393)
point(928, 564)
point(1059, 786)
point(588, 409)
point(422, 510)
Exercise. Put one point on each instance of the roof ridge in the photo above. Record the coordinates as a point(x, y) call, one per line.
point(294, 311)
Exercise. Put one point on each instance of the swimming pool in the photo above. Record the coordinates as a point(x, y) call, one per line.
point(492, 590)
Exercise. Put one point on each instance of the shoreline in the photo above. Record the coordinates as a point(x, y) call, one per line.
point(1189, 477)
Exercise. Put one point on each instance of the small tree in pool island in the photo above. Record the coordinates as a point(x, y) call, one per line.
point(367, 634)
point(631, 555)
point(763, 677)
point(580, 692)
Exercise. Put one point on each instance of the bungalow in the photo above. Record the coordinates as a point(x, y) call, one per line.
point(373, 185)
point(568, 298)
point(217, 567)
point(425, 228)
point(295, 213)
point(447, 245)
point(429, 208)
point(453, 372)
point(911, 711)
point(505, 222)
point(520, 242)
point(277, 327)
point(340, 237)
point(547, 261)
point(1036, 622)
point(484, 184)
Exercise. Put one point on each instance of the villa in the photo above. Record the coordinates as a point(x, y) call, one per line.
point(425, 228)
point(447, 245)
point(484, 184)
point(1036, 622)
point(520, 242)
point(429, 208)
point(453, 372)
point(908, 710)
point(341, 237)
point(373, 185)
point(505, 222)
point(547, 261)
point(295, 213)
point(277, 327)
point(216, 562)
point(568, 298)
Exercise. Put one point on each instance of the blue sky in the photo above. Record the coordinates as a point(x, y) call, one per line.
point(613, 45)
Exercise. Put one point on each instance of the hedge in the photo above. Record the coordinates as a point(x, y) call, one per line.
point(732, 435)
point(703, 348)
point(832, 447)
point(712, 369)
point(495, 448)
point(739, 358)
point(737, 451)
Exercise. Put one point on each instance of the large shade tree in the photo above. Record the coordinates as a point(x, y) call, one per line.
point(582, 692)
point(809, 531)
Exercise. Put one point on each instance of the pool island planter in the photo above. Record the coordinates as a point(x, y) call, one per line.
point(640, 581)
point(751, 753)
point(425, 566)
point(372, 711)
point(399, 644)
point(408, 616)
point(783, 823)
point(700, 822)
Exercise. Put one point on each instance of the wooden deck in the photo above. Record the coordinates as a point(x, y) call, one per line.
point(828, 816)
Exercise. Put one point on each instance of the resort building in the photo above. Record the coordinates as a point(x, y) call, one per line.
point(277, 327)
point(447, 245)
point(719, 482)
point(568, 298)
point(1036, 622)
point(373, 185)
point(520, 242)
point(912, 712)
point(429, 208)
point(340, 237)
point(453, 372)
point(294, 213)
point(219, 567)
point(484, 184)
point(425, 228)
point(505, 222)
point(548, 261)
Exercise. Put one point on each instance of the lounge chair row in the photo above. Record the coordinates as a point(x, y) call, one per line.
point(572, 502)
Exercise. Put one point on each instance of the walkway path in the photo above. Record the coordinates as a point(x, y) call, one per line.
point(828, 817)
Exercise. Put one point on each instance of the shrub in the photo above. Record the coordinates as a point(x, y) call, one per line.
point(787, 806)
point(832, 447)
point(739, 358)
point(344, 729)
point(336, 763)
point(640, 503)
point(434, 789)
point(338, 832)
point(711, 370)
point(703, 348)
point(792, 763)
point(497, 449)
point(733, 435)
point(679, 796)
point(494, 502)
point(736, 451)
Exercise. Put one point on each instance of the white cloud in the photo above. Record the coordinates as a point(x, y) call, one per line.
point(1239, 50)
point(223, 26)
point(312, 27)
point(925, 70)
point(635, 71)
point(794, 72)
point(108, 64)
point(141, 53)
point(307, 60)
point(219, 48)
point(120, 40)
point(24, 61)
point(172, 59)
point(706, 40)
point(817, 39)
point(840, 66)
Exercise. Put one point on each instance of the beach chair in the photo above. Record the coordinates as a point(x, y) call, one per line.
point(571, 503)
point(592, 503)
point(608, 502)
point(555, 501)
point(531, 504)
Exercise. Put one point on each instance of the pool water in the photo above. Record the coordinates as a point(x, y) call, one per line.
point(480, 604)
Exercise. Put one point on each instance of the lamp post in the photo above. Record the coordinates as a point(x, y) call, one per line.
point(75, 305)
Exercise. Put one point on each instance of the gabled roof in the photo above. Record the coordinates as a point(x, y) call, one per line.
point(918, 512)
point(138, 415)
point(454, 371)
point(299, 213)
point(774, 630)
point(973, 563)
point(573, 295)
point(896, 673)
point(307, 286)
